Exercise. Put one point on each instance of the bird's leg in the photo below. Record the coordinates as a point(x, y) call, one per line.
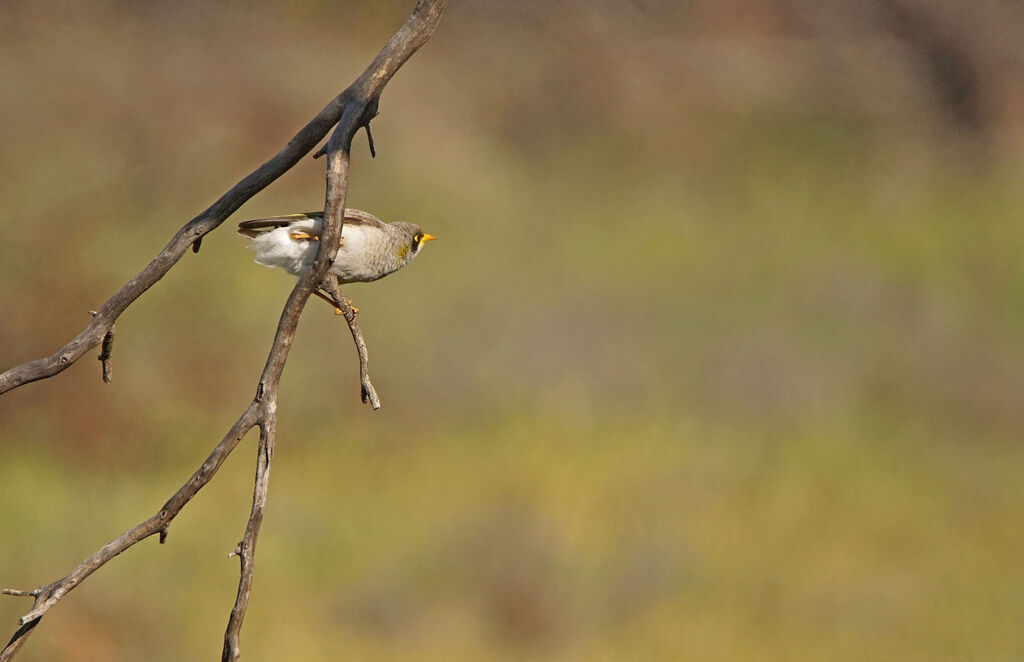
point(331, 300)
point(302, 235)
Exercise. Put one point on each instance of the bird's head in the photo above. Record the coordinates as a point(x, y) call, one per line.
point(414, 236)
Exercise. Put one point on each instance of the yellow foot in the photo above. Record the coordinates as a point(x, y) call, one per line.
point(355, 311)
point(334, 304)
point(339, 311)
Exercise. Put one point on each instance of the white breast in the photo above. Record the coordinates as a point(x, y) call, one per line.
point(351, 263)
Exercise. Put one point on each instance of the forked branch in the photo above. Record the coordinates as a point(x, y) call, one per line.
point(350, 110)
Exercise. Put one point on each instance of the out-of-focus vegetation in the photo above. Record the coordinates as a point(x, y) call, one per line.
point(718, 356)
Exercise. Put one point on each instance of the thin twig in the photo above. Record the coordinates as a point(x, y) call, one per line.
point(369, 139)
point(351, 110)
point(367, 392)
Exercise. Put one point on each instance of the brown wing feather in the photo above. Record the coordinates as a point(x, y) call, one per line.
point(356, 217)
point(259, 225)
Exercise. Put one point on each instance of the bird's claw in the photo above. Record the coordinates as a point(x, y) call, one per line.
point(351, 304)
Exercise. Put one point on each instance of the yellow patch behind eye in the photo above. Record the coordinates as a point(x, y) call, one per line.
point(403, 252)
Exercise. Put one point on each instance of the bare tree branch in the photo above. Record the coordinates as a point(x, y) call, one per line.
point(246, 549)
point(47, 596)
point(351, 110)
point(362, 95)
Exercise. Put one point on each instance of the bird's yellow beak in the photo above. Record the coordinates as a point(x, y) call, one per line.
point(427, 237)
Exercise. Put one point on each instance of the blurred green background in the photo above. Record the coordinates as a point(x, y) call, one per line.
point(718, 355)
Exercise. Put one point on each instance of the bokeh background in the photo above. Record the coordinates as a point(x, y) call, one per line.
point(718, 355)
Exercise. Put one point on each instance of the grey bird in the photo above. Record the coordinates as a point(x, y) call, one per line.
point(370, 248)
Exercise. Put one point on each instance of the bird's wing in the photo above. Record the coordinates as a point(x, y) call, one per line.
point(356, 217)
point(259, 225)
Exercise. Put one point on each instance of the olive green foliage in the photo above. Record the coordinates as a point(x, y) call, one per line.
point(699, 367)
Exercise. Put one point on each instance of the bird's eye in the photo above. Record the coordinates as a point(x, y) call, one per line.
point(417, 239)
